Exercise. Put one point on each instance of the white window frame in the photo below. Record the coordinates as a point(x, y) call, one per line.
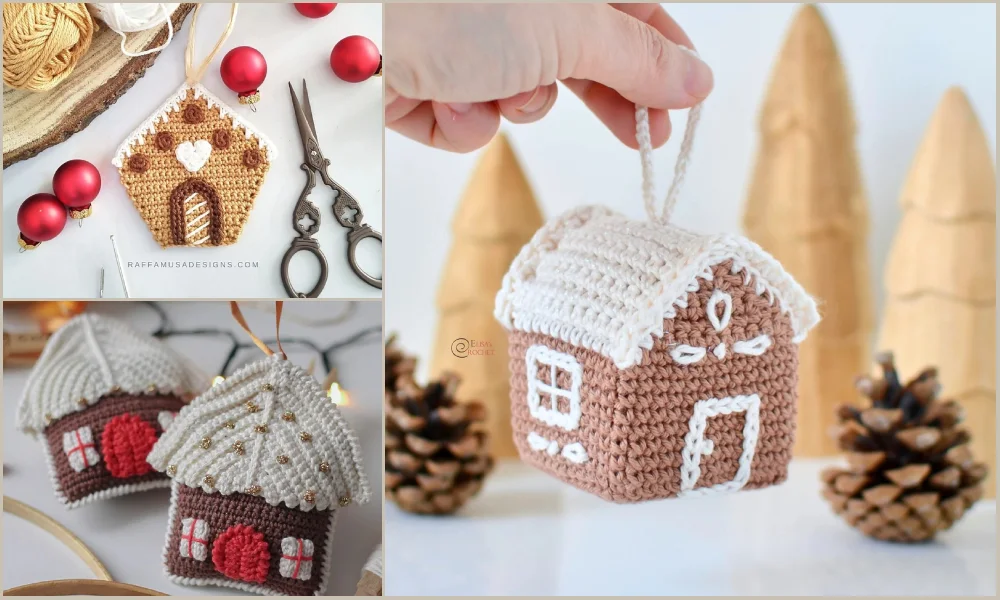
point(539, 355)
point(696, 446)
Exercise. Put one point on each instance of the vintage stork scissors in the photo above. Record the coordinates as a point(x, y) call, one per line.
point(345, 208)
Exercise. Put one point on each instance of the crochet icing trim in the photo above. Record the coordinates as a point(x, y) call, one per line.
point(172, 104)
point(92, 356)
point(269, 427)
point(597, 280)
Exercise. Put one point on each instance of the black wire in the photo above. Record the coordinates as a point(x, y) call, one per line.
point(164, 331)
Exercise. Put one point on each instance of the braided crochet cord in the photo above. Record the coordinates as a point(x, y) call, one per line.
point(634, 421)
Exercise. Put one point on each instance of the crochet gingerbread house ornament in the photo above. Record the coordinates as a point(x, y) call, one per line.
point(193, 169)
point(100, 395)
point(648, 361)
point(262, 464)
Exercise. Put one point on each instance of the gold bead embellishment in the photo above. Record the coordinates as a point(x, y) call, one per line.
point(48, 418)
point(267, 387)
point(82, 402)
point(209, 481)
point(206, 443)
point(288, 416)
point(238, 448)
point(253, 490)
point(305, 436)
point(260, 428)
point(344, 500)
point(324, 467)
point(309, 497)
point(282, 459)
point(251, 407)
point(172, 470)
point(151, 388)
point(116, 390)
point(229, 425)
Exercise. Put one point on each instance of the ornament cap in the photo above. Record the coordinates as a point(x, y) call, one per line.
point(80, 213)
point(250, 97)
point(27, 244)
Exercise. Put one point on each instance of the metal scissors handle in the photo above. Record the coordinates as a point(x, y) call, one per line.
point(305, 242)
point(346, 209)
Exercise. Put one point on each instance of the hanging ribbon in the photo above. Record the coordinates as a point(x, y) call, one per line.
point(644, 140)
point(193, 74)
point(238, 315)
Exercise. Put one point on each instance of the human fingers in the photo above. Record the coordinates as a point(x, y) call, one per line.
point(529, 107)
point(453, 127)
point(656, 17)
point(618, 114)
point(631, 57)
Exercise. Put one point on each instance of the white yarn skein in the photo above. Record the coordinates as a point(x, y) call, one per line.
point(125, 18)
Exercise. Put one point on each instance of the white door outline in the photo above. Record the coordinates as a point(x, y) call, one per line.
point(696, 446)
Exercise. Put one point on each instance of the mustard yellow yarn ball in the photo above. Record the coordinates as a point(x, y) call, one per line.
point(42, 42)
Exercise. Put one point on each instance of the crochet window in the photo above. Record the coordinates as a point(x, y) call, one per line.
point(554, 380)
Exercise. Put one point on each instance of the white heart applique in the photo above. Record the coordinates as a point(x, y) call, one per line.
point(194, 156)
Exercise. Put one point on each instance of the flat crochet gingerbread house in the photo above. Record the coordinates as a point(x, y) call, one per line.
point(101, 394)
point(262, 464)
point(193, 169)
point(648, 361)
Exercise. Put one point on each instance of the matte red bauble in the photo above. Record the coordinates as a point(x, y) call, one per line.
point(40, 218)
point(315, 10)
point(356, 58)
point(243, 69)
point(77, 183)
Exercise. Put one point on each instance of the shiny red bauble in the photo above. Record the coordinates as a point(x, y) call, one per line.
point(40, 218)
point(356, 58)
point(243, 69)
point(77, 183)
point(314, 10)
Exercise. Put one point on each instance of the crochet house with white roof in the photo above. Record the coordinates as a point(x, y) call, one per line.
point(648, 361)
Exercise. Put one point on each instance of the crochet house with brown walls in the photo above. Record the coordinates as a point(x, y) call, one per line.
point(193, 170)
point(648, 361)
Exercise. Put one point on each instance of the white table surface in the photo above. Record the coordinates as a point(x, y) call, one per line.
point(127, 533)
point(529, 534)
point(349, 122)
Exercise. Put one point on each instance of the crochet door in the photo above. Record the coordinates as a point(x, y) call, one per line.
point(194, 169)
point(649, 362)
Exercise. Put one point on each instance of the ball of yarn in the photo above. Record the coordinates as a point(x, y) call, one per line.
point(42, 42)
point(132, 17)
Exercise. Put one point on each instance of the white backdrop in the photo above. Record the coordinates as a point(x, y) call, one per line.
point(899, 58)
point(349, 122)
point(127, 533)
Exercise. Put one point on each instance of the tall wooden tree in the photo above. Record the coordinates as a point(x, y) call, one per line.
point(496, 216)
point(940, 279)
point(806, 206)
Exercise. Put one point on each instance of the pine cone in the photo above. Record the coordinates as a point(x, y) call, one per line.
point(436, 451)
point(910, 473)
point(398, 365)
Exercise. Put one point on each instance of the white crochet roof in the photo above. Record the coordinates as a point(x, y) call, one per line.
point(598, 280)
point(173, 104)
point(274, 386)
point(92, 356)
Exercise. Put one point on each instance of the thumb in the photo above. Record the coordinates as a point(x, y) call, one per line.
point(634, 59)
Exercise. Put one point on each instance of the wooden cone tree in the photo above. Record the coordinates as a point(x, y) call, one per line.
point(806, 206)
point(497, 215)
point(940, 279)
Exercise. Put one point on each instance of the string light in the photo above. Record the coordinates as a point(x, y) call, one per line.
point(218, 379)
point(338, 395)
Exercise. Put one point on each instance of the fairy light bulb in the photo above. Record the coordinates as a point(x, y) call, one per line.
point(218, 379)
point(338, 395)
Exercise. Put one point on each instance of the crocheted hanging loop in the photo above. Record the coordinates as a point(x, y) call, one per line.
point(646, 156)
point(238, 315)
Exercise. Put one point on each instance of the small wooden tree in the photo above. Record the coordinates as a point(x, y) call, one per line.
point(806, 206)
point(940, 279)
point(497, 215)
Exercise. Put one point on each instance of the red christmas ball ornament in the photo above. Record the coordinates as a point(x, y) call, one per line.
point(77, 183)
point(40, 218)
point(356, 58)
point(243, 69)
point(315, 10)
